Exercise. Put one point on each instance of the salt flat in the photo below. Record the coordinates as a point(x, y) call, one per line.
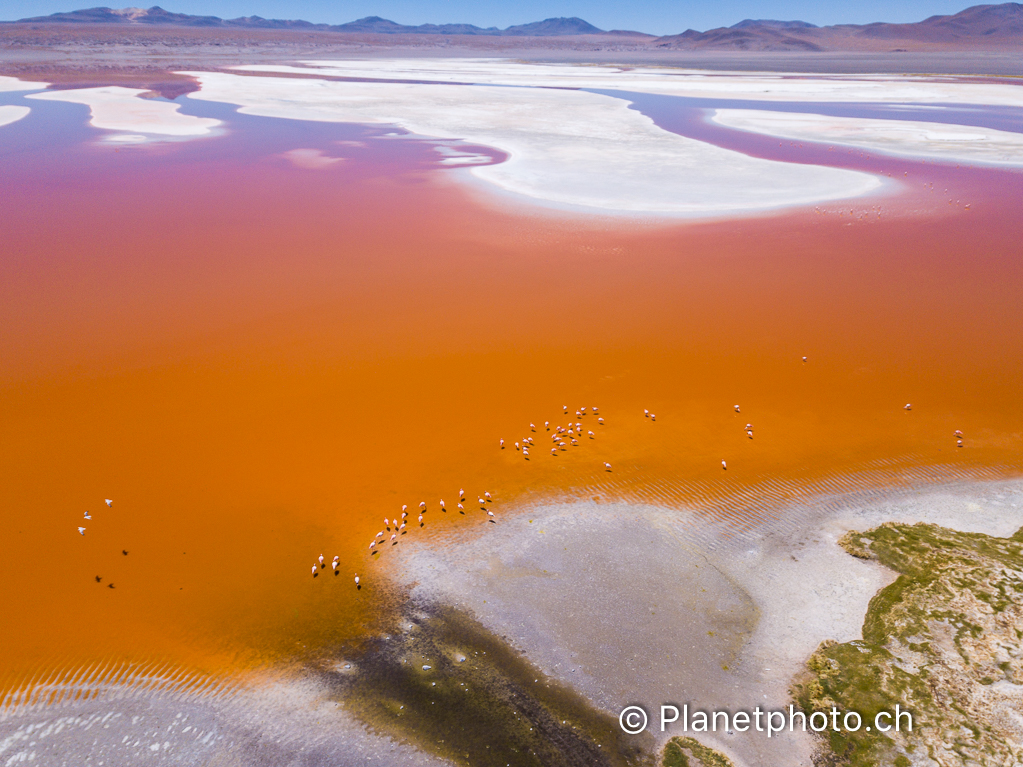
point(761, 86)
point(905, 138)
point(12, 84)
point(565, 147)
point(10, 114)
point(115, 108)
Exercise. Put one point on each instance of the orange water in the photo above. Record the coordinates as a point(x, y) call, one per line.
point(258, 363)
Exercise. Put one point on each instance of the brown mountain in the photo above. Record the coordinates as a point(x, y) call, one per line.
point(980, 26)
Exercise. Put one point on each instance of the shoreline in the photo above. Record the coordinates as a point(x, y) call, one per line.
point(609, 600)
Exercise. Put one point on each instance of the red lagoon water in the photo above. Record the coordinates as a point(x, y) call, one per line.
point(259, 362)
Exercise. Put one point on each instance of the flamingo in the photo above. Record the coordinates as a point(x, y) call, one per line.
point(420, 519)
point(736, 408)
point(321, 560)
point(487, 496)
point(907, 406)
point(502, 444)
point(554, 451)
point(372, 544)
point(532, 427)
point(461, 507)
point(653, 417)
point(646, 413)
point(380, 534)
point(600, 420)
point(461, 495)
point(314, 571)
point(607, 466)
point(404, 506)
point(547, 425)
point(422, 504)
point(516, 445)
point(724, 465)
point(356, 580)
point(490, 513)
point(442, 503)
point(394, 537)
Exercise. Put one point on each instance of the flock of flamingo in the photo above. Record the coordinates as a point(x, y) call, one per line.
point(572, 432)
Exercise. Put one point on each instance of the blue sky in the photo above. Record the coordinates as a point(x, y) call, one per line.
point(655, 16)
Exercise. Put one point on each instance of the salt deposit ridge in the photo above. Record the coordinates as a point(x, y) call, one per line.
point(10, 114)
point(120, 109)
point(906, 138)
point(761, 86)
point(566, 147)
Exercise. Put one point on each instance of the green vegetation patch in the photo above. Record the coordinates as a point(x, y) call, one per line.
point(689, 752)
point(934, 642)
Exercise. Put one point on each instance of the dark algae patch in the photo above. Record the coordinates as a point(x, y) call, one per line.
point(943, 642)
point(448, 686)
point(689, 752)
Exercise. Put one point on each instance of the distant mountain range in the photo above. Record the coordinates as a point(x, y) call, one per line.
point(371, 24)
point(978, 25)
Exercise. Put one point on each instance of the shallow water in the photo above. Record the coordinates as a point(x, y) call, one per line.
point(258, 361)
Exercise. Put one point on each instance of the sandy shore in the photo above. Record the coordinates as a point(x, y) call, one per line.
point(630, 605)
